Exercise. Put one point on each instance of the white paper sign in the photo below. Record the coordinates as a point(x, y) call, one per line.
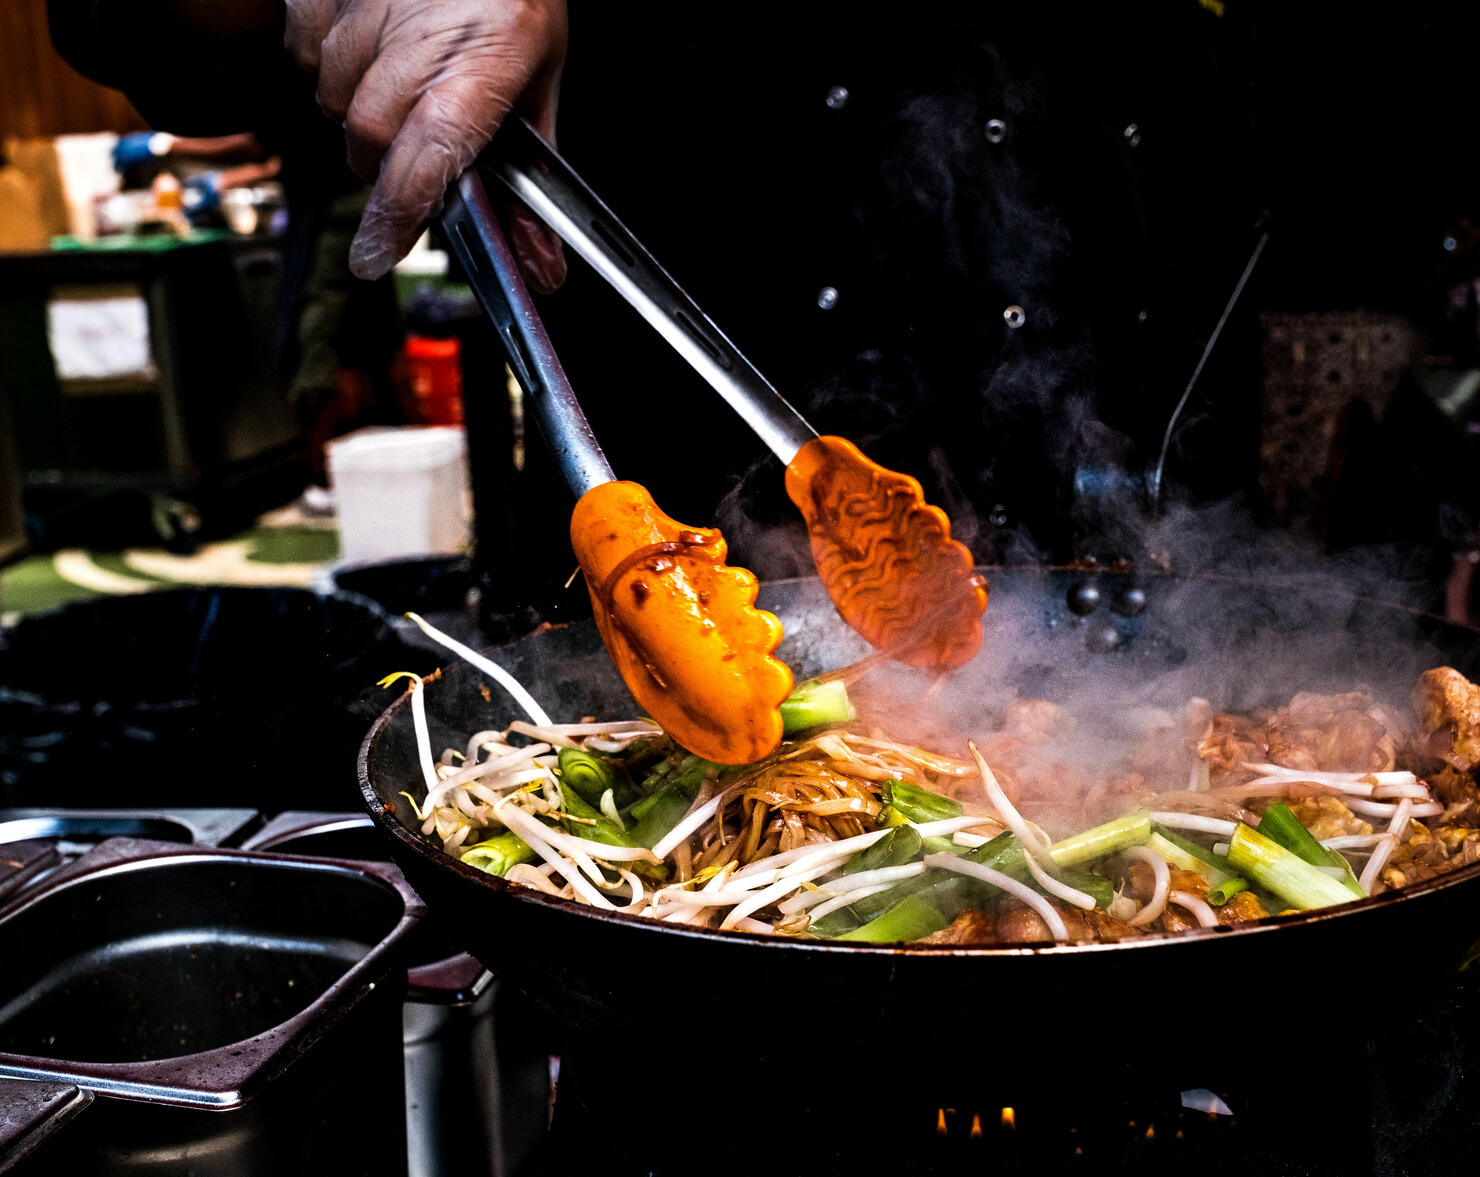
point(101, 336)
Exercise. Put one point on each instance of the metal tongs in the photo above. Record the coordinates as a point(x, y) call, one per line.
point(885, 556)
point(679, 623)
point(476, 238)
point(535, 173)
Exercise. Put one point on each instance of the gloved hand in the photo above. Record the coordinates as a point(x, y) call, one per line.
point(140, 147)
point(201, 196)
point(421, 88)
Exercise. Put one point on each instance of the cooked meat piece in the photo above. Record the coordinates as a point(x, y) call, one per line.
point(1408, 873)
point(1176, 919)
point(1232, 741)
point(972, 927)
point(1332, 733)
point(1453, 787)
point(1243, 906)
point(1328, 817)
point(1037, 720)
point(1023, 925)
point(1421, 848)
point(1190, 881)
point(1448, 707)
point(1462, 843)
point(1141, 881)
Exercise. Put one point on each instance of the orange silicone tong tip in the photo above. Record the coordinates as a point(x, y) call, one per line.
point(886, 557)
point(681, 625)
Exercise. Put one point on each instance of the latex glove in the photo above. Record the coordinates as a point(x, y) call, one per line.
point(140, 147)
point(421, 88)
point(201, 195)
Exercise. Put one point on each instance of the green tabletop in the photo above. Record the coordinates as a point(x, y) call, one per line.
point(150, 243)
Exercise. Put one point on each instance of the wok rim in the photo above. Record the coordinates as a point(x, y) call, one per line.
point(438, 859)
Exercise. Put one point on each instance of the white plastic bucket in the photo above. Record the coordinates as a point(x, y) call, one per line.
point(400, 492)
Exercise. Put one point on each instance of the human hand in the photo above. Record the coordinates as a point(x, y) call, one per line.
point(421, 88)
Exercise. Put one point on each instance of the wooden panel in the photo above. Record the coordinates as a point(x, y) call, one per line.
point(40, 94)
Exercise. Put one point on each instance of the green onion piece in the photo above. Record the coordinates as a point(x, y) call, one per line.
point(497, 854)
point(1131, 830)
point(900, 845)
point(1178, 856)
point(948, 893)
point(661, 812)
point(687, 775)
point(1280, 824)
point(655, 777)
point(911, 918)
point(1221, 893)
point(904, 803)
point(594, 824)
point(1190, 847)
point(814, 704)
point(586, 774)
point(1285, 874)
point(1097, 887)
point(1004, 853)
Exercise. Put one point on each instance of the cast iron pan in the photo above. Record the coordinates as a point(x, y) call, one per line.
point(612, 977)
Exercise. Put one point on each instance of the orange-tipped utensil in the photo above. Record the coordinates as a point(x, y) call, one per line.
point(885, 556)
point(679, 623)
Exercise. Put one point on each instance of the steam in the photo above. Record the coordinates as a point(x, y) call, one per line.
point(1249, 620)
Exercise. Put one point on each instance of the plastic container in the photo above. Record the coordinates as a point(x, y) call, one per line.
point(400, 492)
point(434, 369)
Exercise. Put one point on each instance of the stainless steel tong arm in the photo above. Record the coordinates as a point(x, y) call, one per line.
point(474, 236)
point(539, 177)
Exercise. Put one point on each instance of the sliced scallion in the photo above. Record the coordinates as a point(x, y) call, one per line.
point(586, 773)
point(904, 803)
point(1179, 857)
point(1221, 893)
point(814, 704)
point(900, 845)
point(1283, 872)
point(1280, 824)
point(497, 854)
point(911, 918)
point(1103, 840)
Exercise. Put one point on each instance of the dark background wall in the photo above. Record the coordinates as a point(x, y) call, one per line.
point(39, 93)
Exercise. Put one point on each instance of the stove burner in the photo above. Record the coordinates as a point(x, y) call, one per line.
point(1402, 1100)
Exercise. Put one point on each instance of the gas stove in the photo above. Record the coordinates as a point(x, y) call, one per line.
point(1320, 1078)
point(1337, 1092)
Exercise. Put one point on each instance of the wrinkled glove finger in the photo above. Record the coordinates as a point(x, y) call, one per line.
point(350, 50)
point(307, 23)
point(488, 70)
point(439, 139)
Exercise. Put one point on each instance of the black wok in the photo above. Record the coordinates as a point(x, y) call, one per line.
point(1053, 634)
